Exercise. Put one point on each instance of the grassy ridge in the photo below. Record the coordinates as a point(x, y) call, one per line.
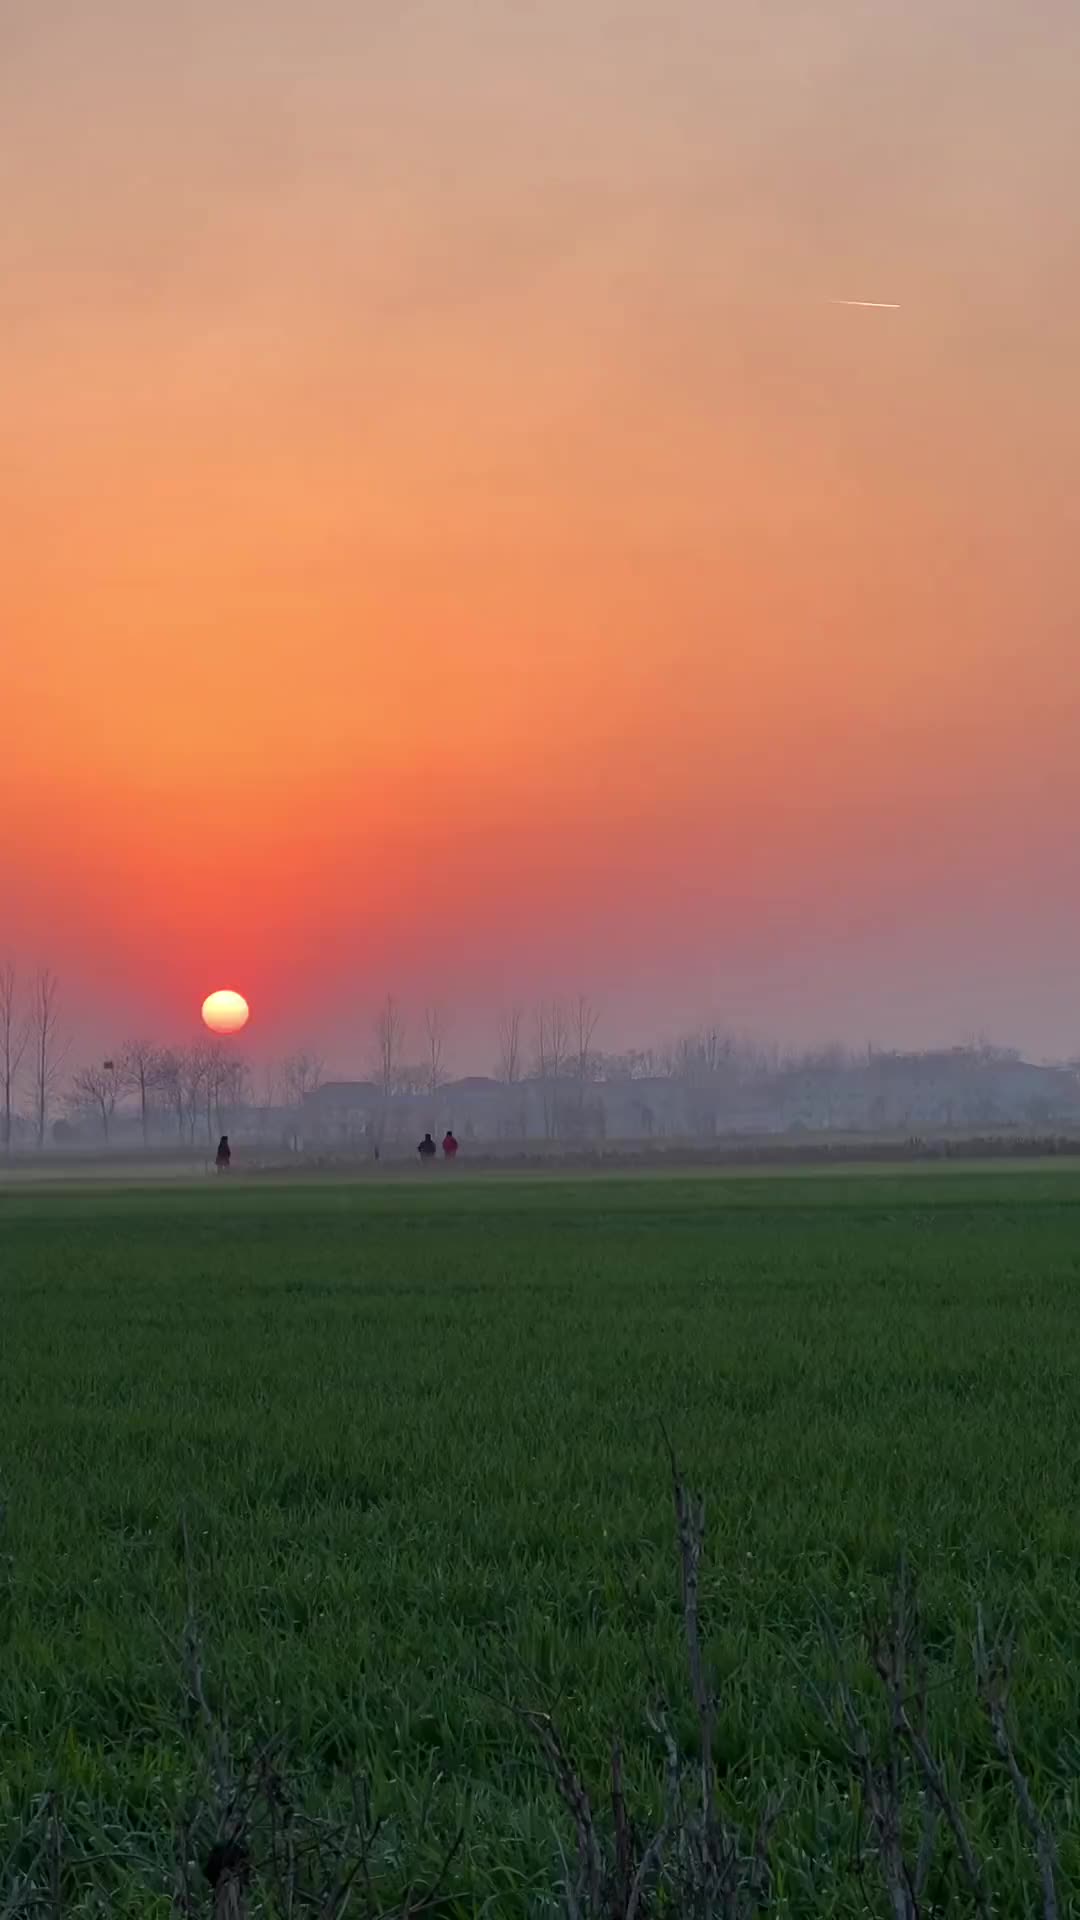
point(415, 1434)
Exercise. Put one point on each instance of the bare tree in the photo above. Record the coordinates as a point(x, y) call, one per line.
point(637, 1063)
point(551, 1038)
point(584, 1020)
point(301, 1074)
point(199, 1082)
point(170, 1084)
point(550, 1045)
point(196, 1068)
point(210, 1087)
point(702, 1056)
point(188, 1071)
point(509, 1066)
point(389, 1045)
point(435, 1027)
point(140, 1074)
point(272, 1078)
point(99, 1088)
point(225, 1085)
point(14, 1034)
point(389, 1049)
point(48, 1051)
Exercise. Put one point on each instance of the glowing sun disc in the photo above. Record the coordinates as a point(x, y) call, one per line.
point(225, 1011)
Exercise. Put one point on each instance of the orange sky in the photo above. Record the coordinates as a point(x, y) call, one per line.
point(449, 532)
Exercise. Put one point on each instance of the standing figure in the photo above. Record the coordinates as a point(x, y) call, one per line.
point(426, 1149)
point(449, 1145)
point(223, 1159)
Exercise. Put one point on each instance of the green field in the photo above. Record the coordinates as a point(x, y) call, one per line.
point(414, 1434)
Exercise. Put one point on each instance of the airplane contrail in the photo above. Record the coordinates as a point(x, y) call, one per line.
point(885, 306)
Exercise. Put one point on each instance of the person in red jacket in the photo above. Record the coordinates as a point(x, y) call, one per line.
point(449, 1145)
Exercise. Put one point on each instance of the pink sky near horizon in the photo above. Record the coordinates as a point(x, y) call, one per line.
point(454, 543)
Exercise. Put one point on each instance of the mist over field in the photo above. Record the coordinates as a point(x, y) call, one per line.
point(549, 1077)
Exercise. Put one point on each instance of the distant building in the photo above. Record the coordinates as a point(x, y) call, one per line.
point(341, 1114)
point(959, 1090)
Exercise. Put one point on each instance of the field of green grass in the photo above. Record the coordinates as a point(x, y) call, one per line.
point(413, 1434)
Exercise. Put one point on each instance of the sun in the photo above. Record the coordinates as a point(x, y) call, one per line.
point(225, 1011)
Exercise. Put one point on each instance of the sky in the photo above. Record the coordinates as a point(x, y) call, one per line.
point(453, 542)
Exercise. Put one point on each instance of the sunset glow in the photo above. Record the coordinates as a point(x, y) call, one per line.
point(454, 545)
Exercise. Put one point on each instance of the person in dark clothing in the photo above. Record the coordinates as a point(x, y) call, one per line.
point(223, 1160)
point(449, 1145)
point(426, 1149)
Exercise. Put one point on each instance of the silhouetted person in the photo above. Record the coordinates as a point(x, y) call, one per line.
point(426, 1149)
point(449, 1145)
point(223, 1160)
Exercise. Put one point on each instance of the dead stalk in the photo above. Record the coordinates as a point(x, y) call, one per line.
point(993, 1673)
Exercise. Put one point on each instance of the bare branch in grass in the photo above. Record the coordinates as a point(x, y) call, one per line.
point(228, 1869)
point(890, 1652)
point(183, 1897)
point(931, 1827)
point(217, 1746)
point(654, 1853)
point(762, 1873)
point(703, 1865)
point(880, 1787)
point(993, 1669)
point(920, 1707)
point(624, 1837)
point(437, 1890)
point(690, 1526)
point(265, 1852)
point(575, 1799)
point(936, 1784)
point(893, 1651)
point(55, 1858)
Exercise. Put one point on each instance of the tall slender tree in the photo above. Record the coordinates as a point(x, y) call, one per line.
point(14, 1035)
point(435, 1029)
point(99, 1088)
point(49, 1049)
point(584, 1018)
point(301, 1074)
point(141, 1074)
point(509, 1062)
point(389, 1045)
point(551, 1035)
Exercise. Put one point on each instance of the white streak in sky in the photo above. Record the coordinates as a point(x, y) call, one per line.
point(884, 306)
